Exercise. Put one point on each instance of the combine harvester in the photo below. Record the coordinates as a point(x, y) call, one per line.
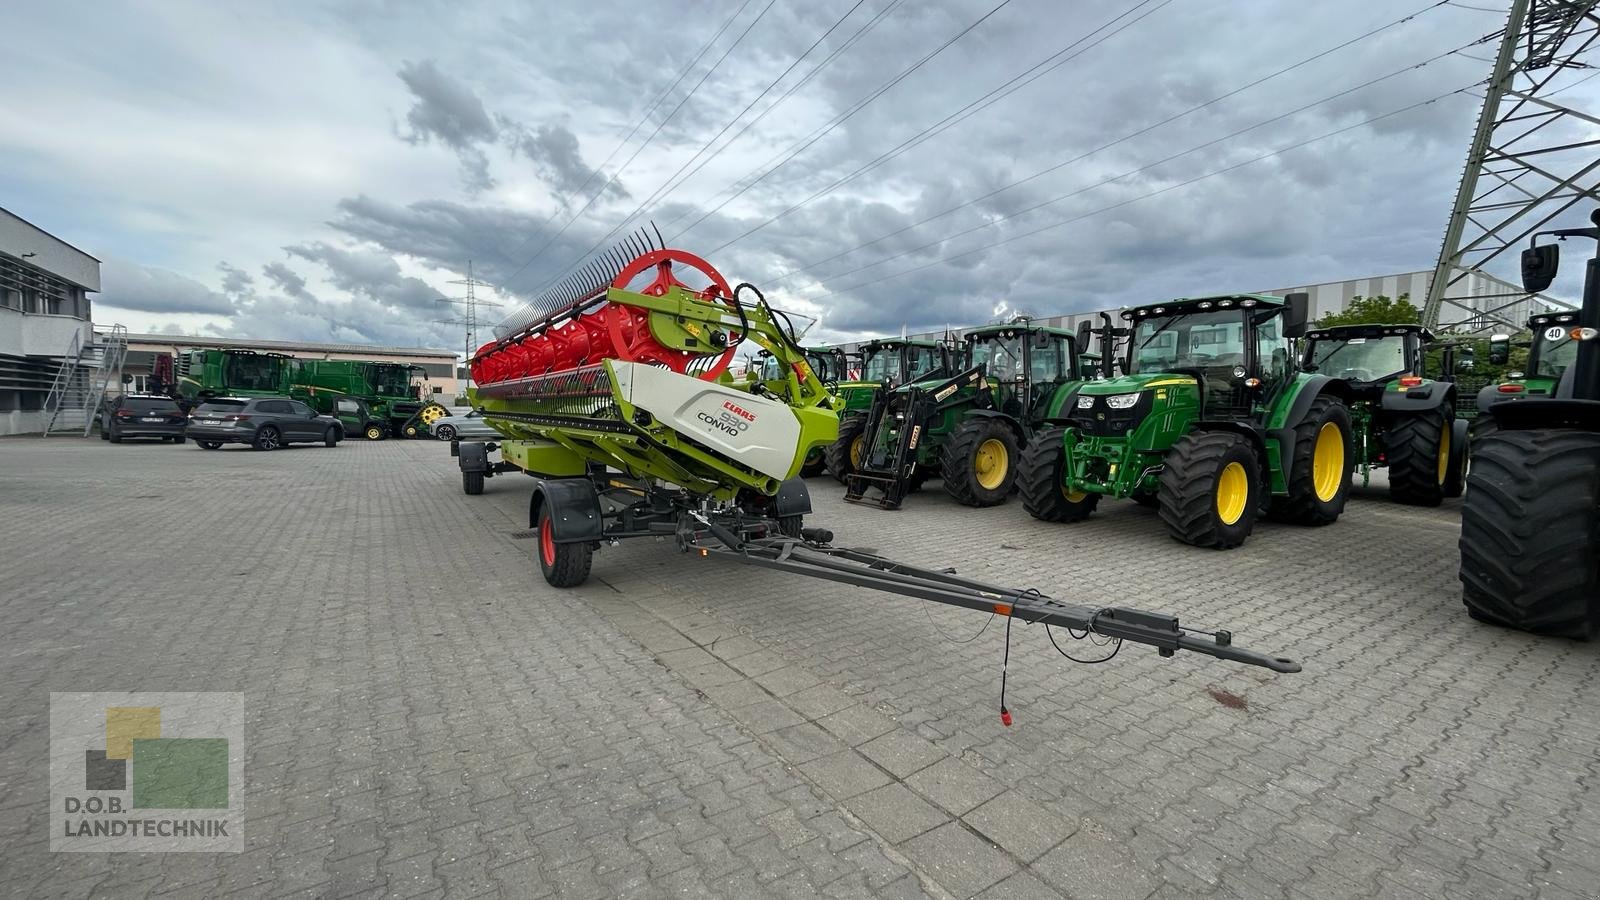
point(610, 390)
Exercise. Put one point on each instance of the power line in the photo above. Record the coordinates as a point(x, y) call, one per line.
point(664, 186)
point(470, 305)
point(1145, 168)
point(1049, 64)
point(1154, 193)
point(615, 175)
point(841, 118)
point(1127, 137)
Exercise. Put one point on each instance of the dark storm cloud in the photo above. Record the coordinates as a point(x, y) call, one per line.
point(149, 289)
point(447, 110)
point(555, 155)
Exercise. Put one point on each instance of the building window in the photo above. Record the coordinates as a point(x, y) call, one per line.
point(437, 389)
point(10, 299)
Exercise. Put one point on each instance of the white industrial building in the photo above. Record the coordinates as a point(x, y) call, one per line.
point(45, 284)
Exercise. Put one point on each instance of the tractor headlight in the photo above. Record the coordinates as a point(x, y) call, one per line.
point(1086, 403)
point(1122, 401)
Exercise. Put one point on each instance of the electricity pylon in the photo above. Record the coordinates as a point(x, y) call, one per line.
point(1533, 157)
point(470, 304)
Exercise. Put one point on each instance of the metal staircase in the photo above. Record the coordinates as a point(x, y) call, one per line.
point(87, 372)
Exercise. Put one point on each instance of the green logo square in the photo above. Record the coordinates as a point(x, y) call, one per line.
point(180, 773)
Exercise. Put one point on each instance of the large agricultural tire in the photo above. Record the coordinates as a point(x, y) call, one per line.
point(1210, 487)
point(844, 454)
point(1418, 449)
point(563, 565)
point(816, 461)
point(1039, 482)
point(979, 462)
point(472, 483)
point(1319, 475)
point(1455, 479)
point(1530, 532)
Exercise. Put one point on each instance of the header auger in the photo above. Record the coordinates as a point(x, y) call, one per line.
point(612, 391)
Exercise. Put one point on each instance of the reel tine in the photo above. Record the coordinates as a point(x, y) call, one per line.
point(661, 242)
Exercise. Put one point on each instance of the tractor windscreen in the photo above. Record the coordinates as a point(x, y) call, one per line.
point(1360, 359)
point(825, 366)
point(1000, 357)
point(884, 365)
point(1551, 356)
point(252, 372)
point(1188, 340)
point(920, 361)
point(392, 381)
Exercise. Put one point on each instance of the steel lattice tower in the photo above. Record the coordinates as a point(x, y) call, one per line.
point(1531, 160)
point(470, 304)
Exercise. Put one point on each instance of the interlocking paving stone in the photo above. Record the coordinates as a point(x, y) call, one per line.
point(954, 785)
point(902, 753)
point(959, 859)
point(895, 812)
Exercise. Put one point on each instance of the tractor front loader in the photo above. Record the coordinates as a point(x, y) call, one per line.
point(1530, 521)
point(1214, 423)
point(885, 364)
point(1402, 420)
point(611, 392)
point(969, 428)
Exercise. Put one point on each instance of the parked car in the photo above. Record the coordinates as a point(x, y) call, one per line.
point(135, 415)
point(469, 424)
point(265, 423)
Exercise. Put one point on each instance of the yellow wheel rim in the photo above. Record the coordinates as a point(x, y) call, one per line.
point(855, 452)
point(373, 434)
point(432, 412)
point(1327, 462)
point(1233, 493)
point(991, 464)
point(1074, 496)
point(1444, 452)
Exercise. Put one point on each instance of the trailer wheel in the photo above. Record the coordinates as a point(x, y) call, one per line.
point(1209, 489)
point(843, 456)
point(1418, 448)
point(472, 483)
point(563, 565)
point(1319, 474)
point(791, 526)
point(979, 462)
point(1530, 532)
point(1039, 482)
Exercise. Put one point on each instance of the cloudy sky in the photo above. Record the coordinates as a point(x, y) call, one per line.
point(323, 171)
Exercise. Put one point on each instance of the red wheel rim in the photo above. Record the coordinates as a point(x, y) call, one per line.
point(547, 543)
point(644, 347)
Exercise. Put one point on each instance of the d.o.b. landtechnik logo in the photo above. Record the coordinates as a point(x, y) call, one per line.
point(157, 772)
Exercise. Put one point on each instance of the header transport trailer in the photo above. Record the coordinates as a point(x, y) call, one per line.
point(610, 390)
point(391, 391)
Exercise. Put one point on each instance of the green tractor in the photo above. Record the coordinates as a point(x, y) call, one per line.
point(1530, 521)
point(882, 362)
point(1214, 423)
point(767, 377)
point(1550, 353)
point(967, 428)
point(1403, 421)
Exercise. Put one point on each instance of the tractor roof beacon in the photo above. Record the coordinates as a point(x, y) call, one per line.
point(1214, 423)
point(615, 400)
point(966, 427)
point(1402, 420)
point(1530, 521)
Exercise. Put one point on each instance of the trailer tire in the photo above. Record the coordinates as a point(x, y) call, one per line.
point(1039, 482)
point(844, 453)
point(1315, 497)
point(472, 483)
point(1209, 489)
point(979, 462)
point(1530, 532)
point(563, 565)
point(791, 526)
point(1418, 450)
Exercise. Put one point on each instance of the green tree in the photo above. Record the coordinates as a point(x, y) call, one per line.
point(1379, 310)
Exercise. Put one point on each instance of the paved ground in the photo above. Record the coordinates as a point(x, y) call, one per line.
point(425, 716)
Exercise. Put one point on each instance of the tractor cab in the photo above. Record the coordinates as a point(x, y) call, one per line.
point(896, 362)
point(1370, 358)
point(879, 364)
point(1552, 351)
point(828, 363)
point(1023, 364)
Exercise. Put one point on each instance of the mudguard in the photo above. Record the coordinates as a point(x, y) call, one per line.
point(1423, 397)
point(1313, 389)
point(473, 456)
point(574, 508)
point(793, 499)
point(1011, 421)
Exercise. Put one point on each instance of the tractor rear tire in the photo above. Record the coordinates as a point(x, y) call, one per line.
point(1418, 450)
point(1319, 474)
point(979, 462)
point(1455, 479)
point(843, 454)
point(1039, 481)
point(816, 461)
point(1530, 532)
point(1210, 487)
point(472, 483)
point(563, 565)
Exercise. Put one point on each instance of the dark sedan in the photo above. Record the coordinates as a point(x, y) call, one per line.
point(265, 423)
point(137, 417)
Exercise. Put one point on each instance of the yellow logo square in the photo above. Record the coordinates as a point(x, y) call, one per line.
point(125, 724)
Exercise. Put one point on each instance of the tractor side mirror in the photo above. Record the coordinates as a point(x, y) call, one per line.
point(1500, 349)
point(1085, 330)
point(1466, 359)
point(1539, 265)
point(1296, 315)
